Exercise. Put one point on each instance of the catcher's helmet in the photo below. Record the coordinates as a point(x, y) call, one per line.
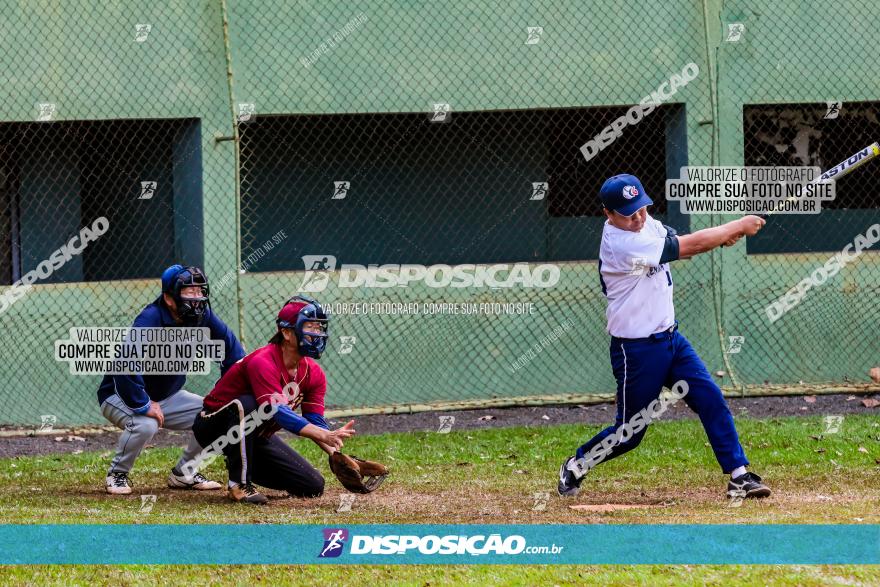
point(192, 310)
point(296, 312)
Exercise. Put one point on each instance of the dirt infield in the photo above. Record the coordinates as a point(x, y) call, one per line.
point(753, 407)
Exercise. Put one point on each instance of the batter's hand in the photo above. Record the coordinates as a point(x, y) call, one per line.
point(732, 241)
point(334, 438)
point(156, 412)
point(750, 225)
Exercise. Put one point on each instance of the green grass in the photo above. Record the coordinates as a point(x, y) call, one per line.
point(492, 476)
point(488, 476)
point(427, 576)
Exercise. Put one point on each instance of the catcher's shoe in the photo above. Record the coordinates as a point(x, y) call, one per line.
point(246, 494)
point(569, 482)
point(177, 480)
point(117, 483)
point(747, 485)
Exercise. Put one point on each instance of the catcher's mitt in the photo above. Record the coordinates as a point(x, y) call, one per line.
point(357, 475)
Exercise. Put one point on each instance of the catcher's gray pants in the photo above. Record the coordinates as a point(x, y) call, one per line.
point(180, 411)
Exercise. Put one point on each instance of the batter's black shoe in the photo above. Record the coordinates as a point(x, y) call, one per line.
point(569, 482)
point(747, 485)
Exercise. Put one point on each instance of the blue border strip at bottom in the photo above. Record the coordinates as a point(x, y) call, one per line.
point(439, 544)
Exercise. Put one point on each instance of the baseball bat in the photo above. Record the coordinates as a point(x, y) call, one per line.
point(843, 168)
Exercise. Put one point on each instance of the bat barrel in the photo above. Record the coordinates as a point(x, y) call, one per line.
point(841, 169)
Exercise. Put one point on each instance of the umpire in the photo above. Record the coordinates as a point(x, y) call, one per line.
point(141, 404)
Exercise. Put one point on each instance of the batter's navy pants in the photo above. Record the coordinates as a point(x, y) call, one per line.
point(642, 368)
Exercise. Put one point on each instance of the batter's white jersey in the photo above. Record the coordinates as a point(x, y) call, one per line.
point(637, 285)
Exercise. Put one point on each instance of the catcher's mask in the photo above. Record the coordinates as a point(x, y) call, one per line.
point(296, 312)
point(192, 310)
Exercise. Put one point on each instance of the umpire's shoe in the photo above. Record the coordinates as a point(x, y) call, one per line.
point(747, 485)
point(117, 483)
point(177, 480)
point(246, 494)
point(569, 482)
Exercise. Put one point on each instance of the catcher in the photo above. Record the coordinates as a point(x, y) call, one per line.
point(258, 396)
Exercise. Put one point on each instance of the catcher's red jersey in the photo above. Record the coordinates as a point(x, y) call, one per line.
point(262, 374)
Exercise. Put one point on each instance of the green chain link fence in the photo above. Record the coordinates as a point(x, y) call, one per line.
point(794, 90)
point(280, 145)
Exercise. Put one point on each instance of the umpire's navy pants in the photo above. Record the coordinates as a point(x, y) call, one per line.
point(642, 368)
